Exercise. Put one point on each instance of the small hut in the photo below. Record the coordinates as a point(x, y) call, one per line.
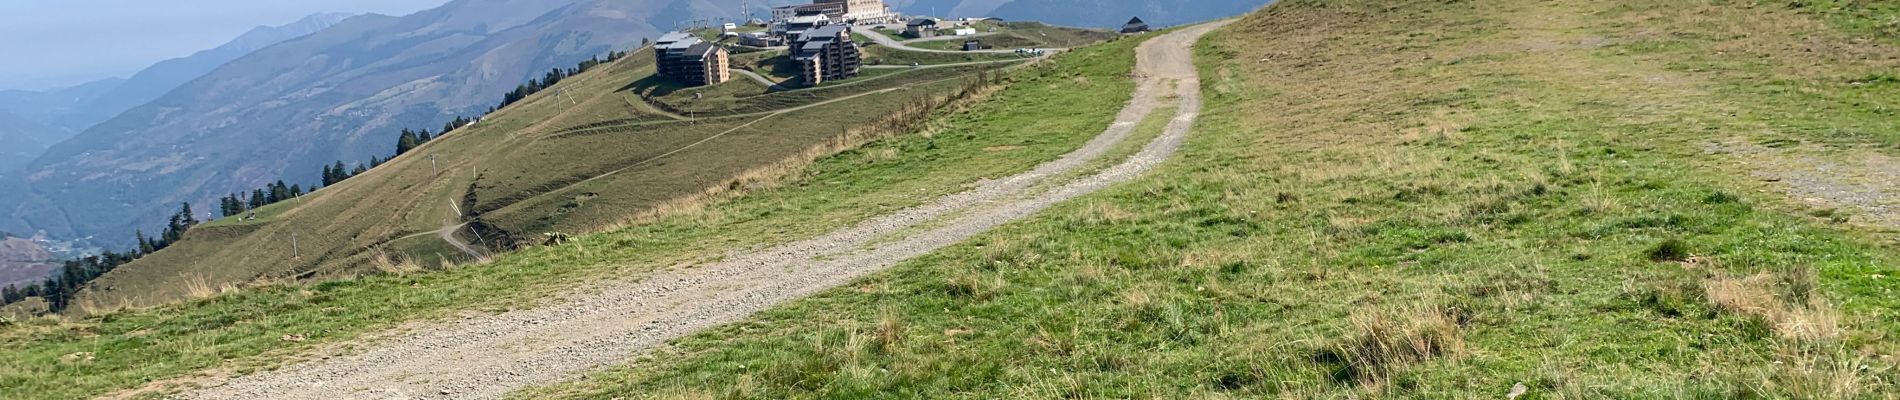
point(1136, 25)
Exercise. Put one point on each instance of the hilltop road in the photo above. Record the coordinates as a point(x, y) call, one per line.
point(489, 356)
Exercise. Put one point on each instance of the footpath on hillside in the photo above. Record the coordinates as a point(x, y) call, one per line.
point(489, 356)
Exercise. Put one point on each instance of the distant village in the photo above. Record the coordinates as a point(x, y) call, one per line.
point(817, 36)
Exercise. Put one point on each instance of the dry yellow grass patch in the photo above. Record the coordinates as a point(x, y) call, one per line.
point(890, 330)
point(394, 265)
point(196, 287)
point(1106, 212)
point(1382, 342)
point(1757, 296)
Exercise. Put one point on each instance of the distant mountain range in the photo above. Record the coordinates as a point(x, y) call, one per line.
point(53, 116)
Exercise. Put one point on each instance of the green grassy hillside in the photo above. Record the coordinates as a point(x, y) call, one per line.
point(1410, 199)
point(1046, 110)
point(595, 151)
point(1015, 35)
point(1383, 199)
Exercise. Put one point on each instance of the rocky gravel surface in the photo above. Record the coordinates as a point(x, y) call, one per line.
point(1851, 183)
point(489, 356)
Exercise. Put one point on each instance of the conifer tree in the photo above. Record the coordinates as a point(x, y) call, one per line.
point(229, 205)
point(189, 218)
point(278, 192)
point(406, 141)
point(145, 245)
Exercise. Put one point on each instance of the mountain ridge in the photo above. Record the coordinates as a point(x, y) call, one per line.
point(334, 95)
point(62, 113)
point(152, 82)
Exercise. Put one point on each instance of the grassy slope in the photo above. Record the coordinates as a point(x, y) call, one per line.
point(745, 96)
point(1027, 34)
point(1399, 199)
point(245, 330)
point(339, 228)
point(534, 172)
point(880, 55)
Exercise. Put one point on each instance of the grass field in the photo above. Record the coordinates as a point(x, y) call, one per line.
point(263, 326)
point(1015, 35)
point(880, 55)
point(1002, 41)
point(728, 150)
point(343, 229)
point(1406, 199)
point(1056, 36)
point(747, 97)
point(521, 170)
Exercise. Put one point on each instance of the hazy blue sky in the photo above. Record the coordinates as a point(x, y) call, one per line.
point(52, 43)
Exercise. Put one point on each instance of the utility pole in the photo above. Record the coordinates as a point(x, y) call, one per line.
point(294, 251)
point(432, 168)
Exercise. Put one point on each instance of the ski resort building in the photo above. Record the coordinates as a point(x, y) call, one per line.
point(791, 28)
point(786, 13)
point(864, 11)
point(843, 11)
point(826, 53)
point(690, 61)
point(760, 39)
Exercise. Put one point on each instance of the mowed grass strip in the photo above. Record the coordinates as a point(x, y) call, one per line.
point(881, 55)
point(1048, 110)
point(1025, 34)
point(1385, 199)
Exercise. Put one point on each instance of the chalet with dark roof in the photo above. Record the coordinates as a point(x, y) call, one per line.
point(921, 28)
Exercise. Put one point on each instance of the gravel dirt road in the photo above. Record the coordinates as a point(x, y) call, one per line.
point(489, 356)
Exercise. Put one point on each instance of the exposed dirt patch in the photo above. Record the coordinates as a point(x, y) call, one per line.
point(1865, 183)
